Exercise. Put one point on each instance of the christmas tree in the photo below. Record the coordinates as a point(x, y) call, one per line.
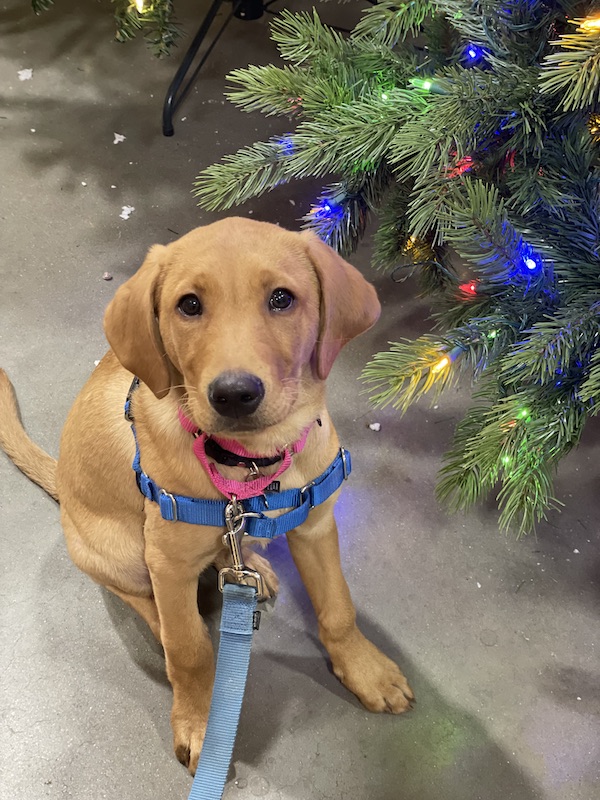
point(472, 130)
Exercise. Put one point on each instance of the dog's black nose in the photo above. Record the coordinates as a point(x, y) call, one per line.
point(236, 394)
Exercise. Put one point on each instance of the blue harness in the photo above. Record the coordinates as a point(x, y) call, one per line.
point(179, 508)
point(240, 588)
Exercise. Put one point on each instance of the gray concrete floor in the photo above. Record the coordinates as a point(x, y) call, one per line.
point(499, 638)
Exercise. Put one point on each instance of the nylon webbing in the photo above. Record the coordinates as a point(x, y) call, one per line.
point(237, 626)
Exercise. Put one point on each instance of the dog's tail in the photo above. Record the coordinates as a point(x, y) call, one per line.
point(28, 457)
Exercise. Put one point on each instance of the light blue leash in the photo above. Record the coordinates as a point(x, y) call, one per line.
point(241, 589)
point(237, 626)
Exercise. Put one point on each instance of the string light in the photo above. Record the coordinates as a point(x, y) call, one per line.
point(592, 24)
point(441, 364)
point(287, 145)
point(327, 209)
point(464, 164)
point(384, 96)
point(139, 4)
point(474, 53)
point(470, 287)
point(530, 260)
point(446, 360)
point(420, 83)
point(506, 460)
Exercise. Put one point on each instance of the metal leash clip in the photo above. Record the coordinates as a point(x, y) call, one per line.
point(235, 519)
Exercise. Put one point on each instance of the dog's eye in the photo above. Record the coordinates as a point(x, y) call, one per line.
point(190, 306)
point(280, 299)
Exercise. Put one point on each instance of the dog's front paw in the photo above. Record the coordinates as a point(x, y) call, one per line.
point(188, 736)
point(254, 561)
point(260, 564)
point(373, 677)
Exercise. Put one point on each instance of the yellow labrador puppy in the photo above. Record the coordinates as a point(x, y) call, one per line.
point(232, 331)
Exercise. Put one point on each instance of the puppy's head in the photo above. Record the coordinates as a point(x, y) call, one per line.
point(245, 317)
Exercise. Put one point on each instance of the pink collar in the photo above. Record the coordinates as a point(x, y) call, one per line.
point(241, 489)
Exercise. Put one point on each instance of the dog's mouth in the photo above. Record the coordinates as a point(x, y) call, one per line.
point(225, 426)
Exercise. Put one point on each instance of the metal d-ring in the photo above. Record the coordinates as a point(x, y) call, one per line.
point(173, 503)
point(344, 463)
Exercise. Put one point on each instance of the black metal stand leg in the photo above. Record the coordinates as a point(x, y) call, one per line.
point(242, 9)
point(173, 99)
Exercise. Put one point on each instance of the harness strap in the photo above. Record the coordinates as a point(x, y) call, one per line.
point(179, 508)
point(237, 626)
point(197, 511)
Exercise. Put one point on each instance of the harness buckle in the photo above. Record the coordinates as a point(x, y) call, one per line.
point(304, 490)
point(238, 573)
point(173, 503)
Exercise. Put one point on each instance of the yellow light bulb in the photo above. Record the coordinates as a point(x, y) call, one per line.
point(592, 24)
point(443, 362)
point(139, 4)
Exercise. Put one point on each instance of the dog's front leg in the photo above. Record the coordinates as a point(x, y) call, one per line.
point(176, 554)
point(363, 668)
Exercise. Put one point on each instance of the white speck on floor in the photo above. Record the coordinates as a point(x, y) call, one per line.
point(25, 74)
point(127, 212)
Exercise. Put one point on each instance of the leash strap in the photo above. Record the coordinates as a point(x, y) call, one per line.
point(237, 626)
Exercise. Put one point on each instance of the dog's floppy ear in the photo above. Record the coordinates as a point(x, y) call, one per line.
point(131, 326)
point(349, 304)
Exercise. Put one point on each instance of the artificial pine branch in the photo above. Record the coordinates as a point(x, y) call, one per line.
point(590, 387)
point(248, 173)
point(572, 73)
point(409, 370)
point(474, 221)
point(155, 17)
point(272, 90)
point(347, 206)
point(356, 136)
point(301, 37)
point(556, 350)
point(391, 21)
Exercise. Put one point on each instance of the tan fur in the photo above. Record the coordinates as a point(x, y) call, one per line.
point(118, 537)
point(31, 459)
